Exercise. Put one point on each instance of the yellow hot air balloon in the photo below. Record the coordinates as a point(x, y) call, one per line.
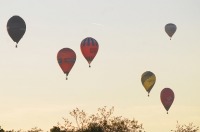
point(148, 80)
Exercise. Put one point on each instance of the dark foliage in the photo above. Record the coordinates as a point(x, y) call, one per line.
point(186, 128)
point(102, 121)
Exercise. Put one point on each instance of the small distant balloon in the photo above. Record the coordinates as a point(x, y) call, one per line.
point(170, 29)
point(16, 28)
point(167, 98)
point(148, 80)
point(89, 48)
point(66, 58)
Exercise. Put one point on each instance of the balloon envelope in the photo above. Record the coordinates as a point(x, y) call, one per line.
point(148, 80)
point(16, 28)
point(66, 58)
point(89, 48)
point(170, 29)
point(167, 97)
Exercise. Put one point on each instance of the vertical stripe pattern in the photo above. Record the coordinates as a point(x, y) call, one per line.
point(89, 48)
point(89, 41)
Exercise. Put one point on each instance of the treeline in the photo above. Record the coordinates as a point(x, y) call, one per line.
point(102, 121)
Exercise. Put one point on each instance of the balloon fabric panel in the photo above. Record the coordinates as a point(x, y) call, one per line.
point(167, 97)
point(89, 48)
point(170, 29)
point(148, 80)
point(16, 28)
point(66, 58)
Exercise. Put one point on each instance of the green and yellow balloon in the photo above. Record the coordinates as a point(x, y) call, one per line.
point(148, 80)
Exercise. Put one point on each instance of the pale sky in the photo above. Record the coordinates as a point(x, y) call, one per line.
point(131, 40)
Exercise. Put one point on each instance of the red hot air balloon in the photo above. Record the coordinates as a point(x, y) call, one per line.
point(89, 49)
point(66, 58)
point(167, 98)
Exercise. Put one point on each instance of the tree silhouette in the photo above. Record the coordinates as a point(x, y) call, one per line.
point(1, 130)
point(186, 128)
point(35, 129)
point(102, 121)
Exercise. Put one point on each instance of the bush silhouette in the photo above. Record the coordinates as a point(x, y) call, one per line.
point(102, 121)
point(186, 128)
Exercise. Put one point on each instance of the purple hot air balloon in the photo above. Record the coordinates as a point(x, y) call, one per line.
point(167, 98)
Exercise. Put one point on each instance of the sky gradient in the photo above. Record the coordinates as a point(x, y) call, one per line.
point(131, 40)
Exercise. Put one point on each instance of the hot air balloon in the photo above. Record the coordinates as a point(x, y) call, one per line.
point(167, 98)
point(170, 29)
point(66, 58)
point(148, 80)
point(16, 28)
point(89, 49)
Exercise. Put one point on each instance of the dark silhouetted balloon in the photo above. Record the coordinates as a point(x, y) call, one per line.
point(167, 98)
point(16, 28)
point(148, 80)
point(89, 49)
point(170, 29)
point(66, 58)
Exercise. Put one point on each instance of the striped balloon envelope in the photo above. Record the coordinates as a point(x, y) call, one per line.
point(148, 80)
point(89, 48)
point(66, 58)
